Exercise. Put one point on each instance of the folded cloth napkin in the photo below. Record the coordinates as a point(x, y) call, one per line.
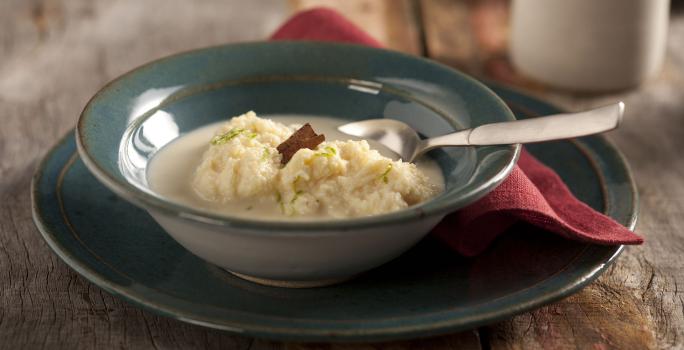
point(533, 193)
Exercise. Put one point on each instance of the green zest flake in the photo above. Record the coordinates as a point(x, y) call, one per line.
point(252, 135)
point(294, 189)
point(387, 171)
point(296, 196)
point(223, 138)
point(329, 152)
point(294, 183)
point(279, 199)
point(266, 155)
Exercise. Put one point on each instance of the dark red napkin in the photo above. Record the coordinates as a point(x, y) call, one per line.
point(533, 193)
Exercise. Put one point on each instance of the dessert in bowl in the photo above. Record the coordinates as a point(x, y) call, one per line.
point(312, 235)
point(267, 170)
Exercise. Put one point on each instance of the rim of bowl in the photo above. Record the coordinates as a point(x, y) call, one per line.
point(149, 201)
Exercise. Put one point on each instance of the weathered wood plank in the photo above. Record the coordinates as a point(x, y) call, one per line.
point(605, 315)
point(460, 341)
point(637, 303)
point(448, 34)
point(55, 53)
point(392, 22)
point(53, 56)
point(471, 35)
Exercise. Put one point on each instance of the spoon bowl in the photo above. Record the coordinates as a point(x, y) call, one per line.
point(398, 136)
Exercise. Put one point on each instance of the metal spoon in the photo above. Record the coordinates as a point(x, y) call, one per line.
point(402, 139)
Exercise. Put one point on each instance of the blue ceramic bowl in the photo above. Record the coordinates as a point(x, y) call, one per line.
point(135, 115)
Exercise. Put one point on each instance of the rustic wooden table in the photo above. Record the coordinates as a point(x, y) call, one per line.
point(54, 54)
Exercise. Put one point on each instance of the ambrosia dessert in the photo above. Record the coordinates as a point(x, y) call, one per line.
point(263, 168)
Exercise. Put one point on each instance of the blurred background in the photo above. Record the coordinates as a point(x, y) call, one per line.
point(55, 53)
point(477, 36)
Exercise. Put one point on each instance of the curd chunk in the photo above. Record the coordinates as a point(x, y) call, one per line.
point(337, 179)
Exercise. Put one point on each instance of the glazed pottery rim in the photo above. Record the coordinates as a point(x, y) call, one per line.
point(157, 203)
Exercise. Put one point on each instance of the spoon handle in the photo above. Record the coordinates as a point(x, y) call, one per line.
point(548, 128)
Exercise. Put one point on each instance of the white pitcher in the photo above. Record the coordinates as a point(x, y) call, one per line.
point(589, 45)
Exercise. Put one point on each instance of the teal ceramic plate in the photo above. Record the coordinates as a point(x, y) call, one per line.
point(427, 291)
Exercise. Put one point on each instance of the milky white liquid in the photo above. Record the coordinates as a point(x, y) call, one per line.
point(170, 171)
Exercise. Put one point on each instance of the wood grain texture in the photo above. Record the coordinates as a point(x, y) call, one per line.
point(54, 54)
point(472, 36)
point(392, 22)
point(637, 303)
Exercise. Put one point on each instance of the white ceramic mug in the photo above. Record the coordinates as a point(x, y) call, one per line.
point(590, 45)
